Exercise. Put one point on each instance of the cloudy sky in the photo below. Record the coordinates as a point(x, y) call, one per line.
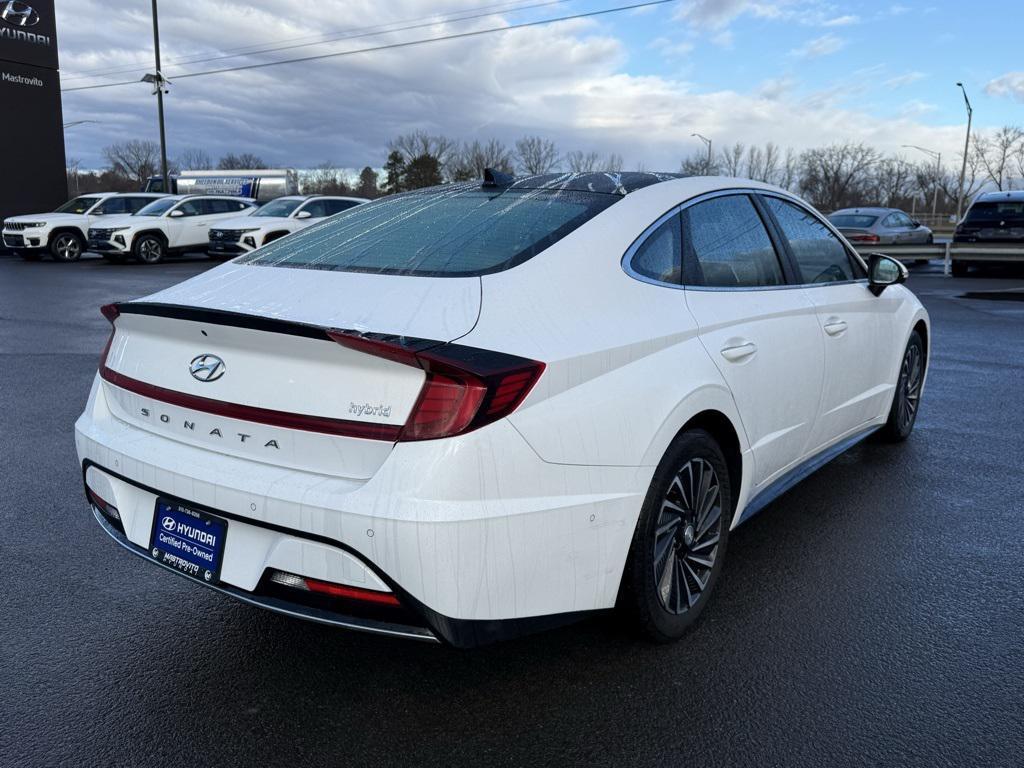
point(639, 83)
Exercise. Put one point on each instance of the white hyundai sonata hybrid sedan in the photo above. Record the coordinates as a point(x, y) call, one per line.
point(477, 410)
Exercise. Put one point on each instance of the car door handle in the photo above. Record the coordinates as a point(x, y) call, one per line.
point(738, 352)
point(835, 327)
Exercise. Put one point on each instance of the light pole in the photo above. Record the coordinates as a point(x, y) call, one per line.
point(967, 146)
point(938, 171)
point(707, 141)
point(158, 82)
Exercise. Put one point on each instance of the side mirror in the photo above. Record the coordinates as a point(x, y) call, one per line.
point(884, 271)
point(177, 213)
point(916, 223)
point(303, 215)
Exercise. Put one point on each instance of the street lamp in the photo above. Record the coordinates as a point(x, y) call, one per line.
point(938, 171)
point(159, 83)
point(967, 146)
point(707, 141)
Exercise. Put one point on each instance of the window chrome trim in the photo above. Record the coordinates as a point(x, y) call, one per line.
point(627, 258)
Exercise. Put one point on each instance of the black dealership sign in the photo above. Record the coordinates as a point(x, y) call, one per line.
point(32, 175)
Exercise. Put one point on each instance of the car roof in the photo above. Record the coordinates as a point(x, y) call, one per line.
point(605, 182)
point(870, 210)
point(988, 197)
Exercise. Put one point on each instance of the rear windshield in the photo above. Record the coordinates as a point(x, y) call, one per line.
point(459, 230)
point(853, 220)
point(996, 212)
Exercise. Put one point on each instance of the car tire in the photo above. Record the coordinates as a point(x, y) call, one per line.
point(30, 255)
point(66, 246)
point(906, 400)
point(149, 249)
point(676, 554)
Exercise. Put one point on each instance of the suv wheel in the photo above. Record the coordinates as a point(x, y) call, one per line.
point(679, 543)
point(66, 246)
point(907, 398)
point(149, 249)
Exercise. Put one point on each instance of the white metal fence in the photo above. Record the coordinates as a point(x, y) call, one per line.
point(949, 253)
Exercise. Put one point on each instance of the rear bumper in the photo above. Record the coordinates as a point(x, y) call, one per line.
point(478, 538)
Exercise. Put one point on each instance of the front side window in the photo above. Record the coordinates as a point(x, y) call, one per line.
point(726, 241)
point(79, 204)
point(820, 257)
point(458, 230)
point(135, 204)
point(158, 207)
point(192, 207)
point(280, 208)
point(659, 257)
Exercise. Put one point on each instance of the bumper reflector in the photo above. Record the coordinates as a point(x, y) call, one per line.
point(332, 590)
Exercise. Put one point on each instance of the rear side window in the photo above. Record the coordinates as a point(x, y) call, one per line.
point(114, 205)
point(726, 241)
point(819, 255)
point(659, 257)
point(458, 230)
point(320, 208)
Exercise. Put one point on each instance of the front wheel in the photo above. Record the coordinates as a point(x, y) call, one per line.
point(149, 249)
point(66, 246)
point(679, 543)
point(907, 398)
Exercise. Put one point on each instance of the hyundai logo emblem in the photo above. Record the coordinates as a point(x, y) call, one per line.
point(18, 14)
point(168, 523)
point(206, 368)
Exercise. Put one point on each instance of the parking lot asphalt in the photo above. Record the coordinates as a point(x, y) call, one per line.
point(874, 615)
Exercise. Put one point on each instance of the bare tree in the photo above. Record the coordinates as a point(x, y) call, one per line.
point(243, 161)
point(614, 162)
point(789, 174)
point(763, 163)
point(699, 164)
point(579, 161)
point(194, 160)
point(536, 155)
point(732, 160)
point(893, 182)
point(837, 175)
point(134, 159)
point(419, 143)
point(997, 154)
point(471, 160)
point(325, 179)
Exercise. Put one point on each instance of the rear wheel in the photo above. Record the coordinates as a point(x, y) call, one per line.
point(66, 246)
point(907, 398)
point(149, 249)
point(679, 543)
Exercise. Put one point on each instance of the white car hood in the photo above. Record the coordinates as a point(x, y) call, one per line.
point(442, 309)
point(50, 218)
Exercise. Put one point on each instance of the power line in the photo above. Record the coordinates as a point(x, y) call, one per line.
point(390, 46)
point(349, 34)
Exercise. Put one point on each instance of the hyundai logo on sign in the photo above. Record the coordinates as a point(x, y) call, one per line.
point(206, 368)
point(18, 14)
point(168, 523)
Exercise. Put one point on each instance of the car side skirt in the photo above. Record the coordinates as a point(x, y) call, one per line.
point(800, 472)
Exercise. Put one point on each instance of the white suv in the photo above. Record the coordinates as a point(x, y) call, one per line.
point(274, 220)
point(172, 224)
point(62, 232)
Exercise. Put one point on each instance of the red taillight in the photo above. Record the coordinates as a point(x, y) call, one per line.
point(465, 388)
point(864, 238)
point(333, 590)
